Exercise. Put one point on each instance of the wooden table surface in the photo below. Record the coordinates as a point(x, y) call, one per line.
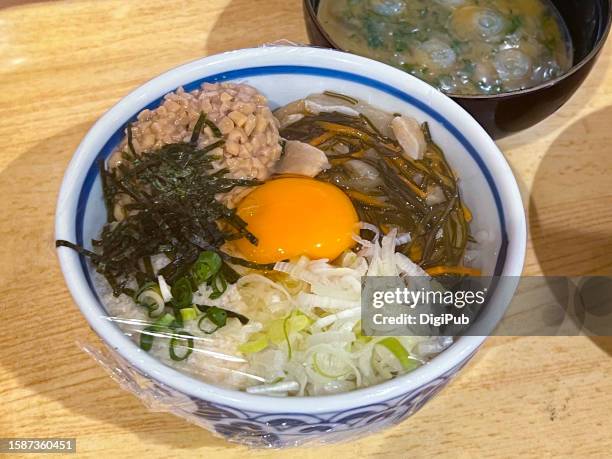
point(64, 63)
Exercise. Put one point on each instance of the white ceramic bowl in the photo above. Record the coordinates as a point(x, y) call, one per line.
point(284, 74)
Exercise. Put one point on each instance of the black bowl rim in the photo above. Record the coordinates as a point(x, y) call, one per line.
point(506, 95)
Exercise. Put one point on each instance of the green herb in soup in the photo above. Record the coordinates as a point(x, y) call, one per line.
point(467, 47)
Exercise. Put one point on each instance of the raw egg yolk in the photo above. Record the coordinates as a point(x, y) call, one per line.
point(291, 217)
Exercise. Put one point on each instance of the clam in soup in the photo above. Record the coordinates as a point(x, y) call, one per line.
point(464, 47)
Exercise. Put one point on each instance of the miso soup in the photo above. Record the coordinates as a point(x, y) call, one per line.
point(465, 47)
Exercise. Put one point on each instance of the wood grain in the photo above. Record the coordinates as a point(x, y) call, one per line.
point(63, 63)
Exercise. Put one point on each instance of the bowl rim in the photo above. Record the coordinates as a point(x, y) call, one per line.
point(145, 364)
point(308, 4)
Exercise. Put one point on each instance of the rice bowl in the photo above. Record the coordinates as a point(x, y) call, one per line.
point(282, 56)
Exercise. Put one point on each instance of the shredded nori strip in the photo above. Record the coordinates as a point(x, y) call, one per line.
point(197, 129)
point(171, 209)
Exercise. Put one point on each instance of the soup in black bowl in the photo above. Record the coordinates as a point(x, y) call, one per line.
point(509, 63)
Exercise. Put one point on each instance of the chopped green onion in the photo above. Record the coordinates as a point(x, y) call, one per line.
point(281, 329)
point(179, 339)
point(207, 265)
point(204, 320)
point(276, 332)
point(165, 321)
point(144, 287)
point(188, 314)
point(215, 315)
point(364, 339)
point(178, 321)
point(150, 296)
point(255, 345)
point(286, 333)
point(318, 369)
point(297, 323)
point(219, 286)
point(147, 335)
point(182, 293)
point(146, 338)
point(399, 351)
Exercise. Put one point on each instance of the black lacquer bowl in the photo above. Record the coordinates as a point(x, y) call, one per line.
point(589, 24)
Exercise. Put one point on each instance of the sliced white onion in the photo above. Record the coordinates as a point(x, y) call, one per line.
point(164, 289)
point(331, 337)
point(262, 279)
point(341, 292)
point(330, 319)
point(309, 300)
point(153, 301)
point(408, 267)
point(271, 389)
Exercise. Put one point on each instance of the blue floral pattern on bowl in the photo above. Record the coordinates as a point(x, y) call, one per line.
point(292, 429)
point(278, 430)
